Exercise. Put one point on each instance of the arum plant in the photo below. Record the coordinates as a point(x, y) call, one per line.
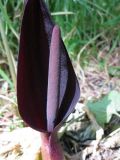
point(47, 88)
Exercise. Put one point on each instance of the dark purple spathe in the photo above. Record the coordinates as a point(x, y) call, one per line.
point(47, 88)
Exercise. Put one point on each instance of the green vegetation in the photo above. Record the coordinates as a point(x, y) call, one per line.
point(87, 27)
point(106, 107)
point(93, 25)
point(10, 14)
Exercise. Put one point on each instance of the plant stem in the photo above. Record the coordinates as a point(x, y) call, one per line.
point(50, 147)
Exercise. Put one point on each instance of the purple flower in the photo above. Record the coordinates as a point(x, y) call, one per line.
point(47, 88)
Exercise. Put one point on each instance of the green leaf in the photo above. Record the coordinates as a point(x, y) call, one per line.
point(105, 107)
point(114, 71)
